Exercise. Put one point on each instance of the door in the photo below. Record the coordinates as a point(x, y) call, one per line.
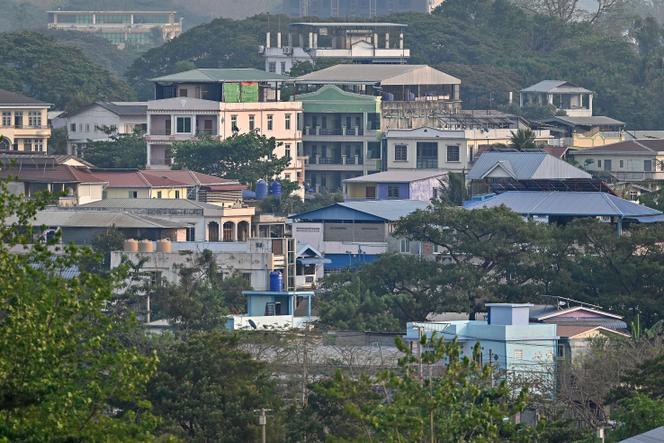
point(607, 165)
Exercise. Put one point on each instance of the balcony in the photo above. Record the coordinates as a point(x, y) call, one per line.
point(638, 176)
point(340, 163)
point(317, 131)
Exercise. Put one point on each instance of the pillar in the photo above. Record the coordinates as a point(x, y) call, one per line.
point(401, 40)
point(311, 40)
point(148, 154)
point(590, 103)
point(387, 40)
point(315, 40)
point(375, 40)
point(267, 40)
point(290, 40)
point(278, 39)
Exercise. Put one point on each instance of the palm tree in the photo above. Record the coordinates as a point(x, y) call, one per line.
point(523, 140)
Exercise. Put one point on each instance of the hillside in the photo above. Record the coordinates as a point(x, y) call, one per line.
point(493, 46)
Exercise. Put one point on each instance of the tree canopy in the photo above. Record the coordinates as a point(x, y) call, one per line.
point(121, 151)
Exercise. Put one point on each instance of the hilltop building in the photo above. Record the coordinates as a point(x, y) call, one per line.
point(356, 8)
point(23, 123)
point(122, 28)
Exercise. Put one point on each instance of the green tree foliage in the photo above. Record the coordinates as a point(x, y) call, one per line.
point(121, 151)
point(523, 140)
point(57, 143)
point(245, 157)
point(207, 388)
point(65, 372)
point(40, 67)
point(637, 414)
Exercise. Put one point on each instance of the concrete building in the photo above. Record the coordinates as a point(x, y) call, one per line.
point(341, 136)
point(356, 8)
point(23, 123)
point(122, 28)
point(397, 184)
point(573, 100)
point(507, 340)
point(585, 132)
point(218, 103)
point(91, 122)
point(274, 310)
point(355, 42)
point(630, 160)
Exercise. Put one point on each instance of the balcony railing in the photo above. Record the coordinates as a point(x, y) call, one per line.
point(317, 130)
point(343, 160)
point(427, 163)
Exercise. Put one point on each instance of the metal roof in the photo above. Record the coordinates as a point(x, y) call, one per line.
point(71, 218)
point(377, 73)
point(365, 210)
point(349, 24)
point(653, 436)
point(150, 203)
point(564, 203)
point(556, 86)
point(397, 176)
point(221, 75)
point(8, 98)
point(525, 166)
point(126, 109)
point(596, 120)
point(632, 147)
point(184, 104)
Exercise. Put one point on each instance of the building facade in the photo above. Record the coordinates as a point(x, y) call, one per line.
point(398, 184)
point(23, 124)
point(356, 8)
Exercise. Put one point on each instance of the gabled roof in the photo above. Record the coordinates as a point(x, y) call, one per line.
point(653, 436)
point(397, 176)
point(158, 178)
point(556, 151)
point(572, 331)
point(596, 120)
point(9, 98)
point(648, 147)
point(188, 104)
point(569, 204)
point(378, 73)
point(59, 173)
point(206, 75)
point(556, 87)
point(73, 218)
point(151, 203)
point(43, 160)
point(125, 109)
point(524, 166)
point(365, 210)
point(579, 310)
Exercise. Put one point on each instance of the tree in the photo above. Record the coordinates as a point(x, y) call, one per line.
point(635, 415)
point(65, 372)
point(245, 157)
point(57, 144)
point(523, 140)
point(121, 151)
point(207, 388)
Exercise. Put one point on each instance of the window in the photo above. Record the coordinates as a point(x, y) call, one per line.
point(287, 150)
point(561, 351)
point(27, 144)
point(182, 92)
point(158, 194)
point(299, 121)
point(155, 278)
point(183, 125)
point(453, 154)
point(272, 67)
point(647, 165)
point(234, 127)
point(400, 153)
point(72, 127)
point(191, 234)
point(177, 194)
point(270, 121)
point(34, 119)
point(393, 191)
point(18, 119)
point(427, 155)
point(38, 145)
point(518, 354)
point(167, 126)
point(599, 163)
point(287, 177)
point(252, 122)
point(6, 119)
point(283, 67)
point(133, 194)
point(404, 246)
point(369, 191)
point(287, 121)
point(87, 127)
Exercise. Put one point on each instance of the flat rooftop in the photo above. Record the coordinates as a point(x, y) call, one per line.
point(112, 12)
point(348, 25)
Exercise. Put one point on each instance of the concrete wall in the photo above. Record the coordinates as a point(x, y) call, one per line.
point(89, 193)
point(443, 164)
point(423, 190)
point(350, 232)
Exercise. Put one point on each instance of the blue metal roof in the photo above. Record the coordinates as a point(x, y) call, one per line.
point(525, 166)
point(363, 211)
point(563, 203)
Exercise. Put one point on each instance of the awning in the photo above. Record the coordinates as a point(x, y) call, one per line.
point(648, 218)
point(314, 261)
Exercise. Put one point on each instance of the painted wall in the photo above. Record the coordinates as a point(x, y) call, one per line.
point(17, 135)
point(112, 193)
point(424, 189)
point(88, 193)
point(383, 189)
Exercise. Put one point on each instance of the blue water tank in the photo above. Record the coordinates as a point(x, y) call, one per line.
point(248, 195)
point(276, 281)
point(261, 189)
point(275, 189)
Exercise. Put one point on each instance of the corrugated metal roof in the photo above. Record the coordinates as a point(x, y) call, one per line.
point(366, 210)
point(221, 75)
point(653, 436)
point(188, 104)
point(90, 219)
point(555, 86)
point(150, 203)
point(525, 166)
point(397, 176)
point(646, 147)
point(377, 73)
point(596, 120)
point(562, 203)
point(50, 174)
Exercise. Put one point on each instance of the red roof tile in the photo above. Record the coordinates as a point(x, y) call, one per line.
point(53, 174)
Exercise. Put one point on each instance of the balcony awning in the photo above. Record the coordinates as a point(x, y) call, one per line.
point(314, 261)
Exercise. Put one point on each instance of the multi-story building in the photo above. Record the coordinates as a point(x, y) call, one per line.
point(219, 103)
point(355, 42)
point(100, 120)
point(122, 28)
point(23, 123)
point(356, 8)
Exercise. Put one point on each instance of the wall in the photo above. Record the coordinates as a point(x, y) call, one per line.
point(111, 193)
point(168, 193)
point(354, 232)
point(403, 189)
point(14, 134)
point(443, 164)
point(424, 189)
point(89, 193)
point(87, 122)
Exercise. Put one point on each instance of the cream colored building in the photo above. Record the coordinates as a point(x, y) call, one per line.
point(23, 123)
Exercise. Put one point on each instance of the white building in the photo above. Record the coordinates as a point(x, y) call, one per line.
point(574, 100)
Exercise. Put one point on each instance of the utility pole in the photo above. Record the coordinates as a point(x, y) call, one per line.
point(262, 422)
point(304, 366)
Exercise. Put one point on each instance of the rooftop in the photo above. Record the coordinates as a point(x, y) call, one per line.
point(150, 203)
point(123, 109)
point(653, 436)
point(596, 120)
point(397, 176)
point(524, 166)
point(8, 98)
point(643, 146)
point(569, 204)
point(556, 87)
point(366, 210)
point(426, 132)
point(378, 73)
point(349, 25)
point(71, 218)
point(58, 173)
point(159, 178)
point(206, 75)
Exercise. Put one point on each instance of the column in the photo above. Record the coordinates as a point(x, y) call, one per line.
point(590, 103)
point(387, 40)
point(267, 40)
point(311, 40)
point(315, 39)
point(148, 155)
point(401, 40)
point(278, 39)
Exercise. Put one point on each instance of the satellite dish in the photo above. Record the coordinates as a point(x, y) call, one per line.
point(252, 324)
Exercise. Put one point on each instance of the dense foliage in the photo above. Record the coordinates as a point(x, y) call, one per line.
point(40, 67)
point(121, 151)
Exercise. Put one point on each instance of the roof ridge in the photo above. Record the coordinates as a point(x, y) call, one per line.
point(606, 197)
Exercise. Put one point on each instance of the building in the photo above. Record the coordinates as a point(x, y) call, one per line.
point(353, 232)
point(122, 28)
point(396, 184)
point(355, 8)
point(274, 310)
point(99, 120)
point(652, 436)
point(507, 340)
point(219, 103)
point(341, 136)
point(585, 132)
point(203, 221)
point(356, 42)
point(24, 123)
point(563, 96)
point(630, 160)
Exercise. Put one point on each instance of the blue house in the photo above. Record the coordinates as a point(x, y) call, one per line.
point(396, 184)
point(507, 339)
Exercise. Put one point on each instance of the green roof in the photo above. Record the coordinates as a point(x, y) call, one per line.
point(221, 75)
point(330, 98)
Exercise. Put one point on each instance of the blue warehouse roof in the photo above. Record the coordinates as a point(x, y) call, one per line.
point(363, 211)
point(573, 204)
point(524, 166)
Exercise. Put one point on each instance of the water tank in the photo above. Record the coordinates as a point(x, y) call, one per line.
point(130, 245)
point(275, 189)
point(248, 195)
point(276, 281)
point(261, 189)
point(146, 246)
point(164, 245)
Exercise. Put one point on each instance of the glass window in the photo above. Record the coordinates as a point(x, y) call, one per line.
point(133, 194)
point(287, 150)
point(599, 163)
point(283, 67)
point(18, 119)
point(453, 154)
point(287, 121)
point(401, 153)
point(647, 165)
point(87, 127)
point(6, 119)
point(72, 127)
point(27, 144)
point(518, 354)
point(234, 127)
point(252, 122)
point(427, 155)
point(39, 145)
point(183, 125)
point(182, 92)
point(622, 163)
point(272, 67)
point(270, 121)
point(34, 119)
point(404, 246)
point(393, 191)
point(177, 194)
point(158, 194)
